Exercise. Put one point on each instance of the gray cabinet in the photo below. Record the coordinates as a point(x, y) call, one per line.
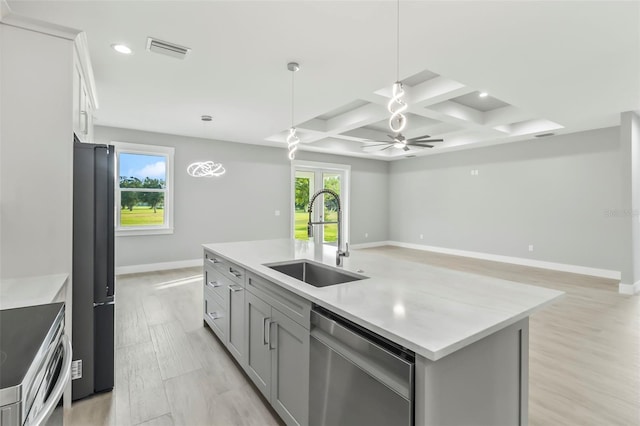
point(258, 317)
point(236, 340)
point(224, 304)
point(215, 314)
point(278, 356)
point(289, 369)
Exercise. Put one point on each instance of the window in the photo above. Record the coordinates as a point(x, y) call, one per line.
point(144, 190)
point(308, 177)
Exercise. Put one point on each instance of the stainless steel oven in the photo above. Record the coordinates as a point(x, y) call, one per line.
point(357, 377)
point(36, 365)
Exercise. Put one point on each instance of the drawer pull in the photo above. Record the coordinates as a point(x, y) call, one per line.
point(235, 273)
point(213, 260)
point(214, 315)
point(235, 288)
point(214, 284)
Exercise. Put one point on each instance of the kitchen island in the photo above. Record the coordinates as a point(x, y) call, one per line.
point(469, 332)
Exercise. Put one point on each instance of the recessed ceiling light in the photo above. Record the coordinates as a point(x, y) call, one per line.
point(483, 94)
point(121, 48)
point(206, 118)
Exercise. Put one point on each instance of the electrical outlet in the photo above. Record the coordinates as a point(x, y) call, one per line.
point(277, 212)
point(76, 369)
point(366, 235)
point(422, 236)
point(530, 247)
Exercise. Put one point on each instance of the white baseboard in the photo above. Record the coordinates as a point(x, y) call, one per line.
point(150, 267)
point(584, 270)
point(629, 289)
point(370, 245)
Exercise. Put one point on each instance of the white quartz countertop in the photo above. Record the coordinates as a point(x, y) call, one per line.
point(432, 311)
point(30, 291)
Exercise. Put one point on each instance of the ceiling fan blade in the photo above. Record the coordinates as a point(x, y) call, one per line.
point(376, 143)
point(390, 146)
point(425, 141)
point(418, 137)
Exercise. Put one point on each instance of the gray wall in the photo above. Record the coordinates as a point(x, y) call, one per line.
point(552, 193)
point(240, 205)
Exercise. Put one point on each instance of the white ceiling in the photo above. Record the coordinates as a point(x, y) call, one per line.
point(559, 66)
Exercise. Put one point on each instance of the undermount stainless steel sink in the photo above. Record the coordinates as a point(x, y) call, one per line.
point(315, 274)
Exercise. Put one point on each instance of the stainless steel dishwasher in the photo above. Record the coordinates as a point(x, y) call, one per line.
point(357, 377)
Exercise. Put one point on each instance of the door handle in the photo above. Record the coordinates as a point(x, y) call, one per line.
point(85, 123)
point(276, 338)
point(265, 334)
point(235, 288)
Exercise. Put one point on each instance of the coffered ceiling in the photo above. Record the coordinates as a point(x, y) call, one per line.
point(559, 67)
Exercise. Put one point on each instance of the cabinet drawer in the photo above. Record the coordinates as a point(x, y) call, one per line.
point(215, 315)
point(228, 269)
point(292, 305)
point(215, 282)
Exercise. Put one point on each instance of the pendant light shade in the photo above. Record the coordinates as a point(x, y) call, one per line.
point(396, 106)
point(292, 138)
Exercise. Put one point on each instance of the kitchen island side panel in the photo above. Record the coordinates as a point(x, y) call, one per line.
point(483, 384)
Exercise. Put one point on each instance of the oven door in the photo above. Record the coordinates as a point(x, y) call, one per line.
point(47, 408)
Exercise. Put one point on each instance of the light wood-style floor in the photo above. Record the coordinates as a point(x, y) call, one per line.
point(170, 370)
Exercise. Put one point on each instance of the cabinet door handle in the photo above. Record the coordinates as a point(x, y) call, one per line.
point(235, 273)
point(85, 123)
point(275, 340)
point(213, 260)
point(214, 284)
point(235, 288)
point(265, 334)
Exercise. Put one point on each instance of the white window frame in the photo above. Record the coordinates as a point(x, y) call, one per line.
point(161, 151)
point(344, 196)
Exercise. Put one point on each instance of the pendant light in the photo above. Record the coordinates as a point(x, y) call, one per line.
point(292, 139)
point(397, 106)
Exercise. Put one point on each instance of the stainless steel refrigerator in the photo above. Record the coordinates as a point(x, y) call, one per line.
point(93, 269)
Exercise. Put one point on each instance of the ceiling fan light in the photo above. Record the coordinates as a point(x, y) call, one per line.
point(400, 145)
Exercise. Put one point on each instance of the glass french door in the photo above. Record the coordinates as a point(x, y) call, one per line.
point(309, 179)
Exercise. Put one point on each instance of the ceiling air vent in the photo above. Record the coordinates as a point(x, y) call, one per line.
point(544, 135)
point(166, 48)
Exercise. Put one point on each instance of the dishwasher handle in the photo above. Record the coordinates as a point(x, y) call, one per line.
point(384, 366)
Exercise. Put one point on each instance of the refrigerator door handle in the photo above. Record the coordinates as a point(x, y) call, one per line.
point(108, 302)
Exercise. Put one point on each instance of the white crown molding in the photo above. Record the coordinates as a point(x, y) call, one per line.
point(7, 17)
point(629, 289)
point(162, 266)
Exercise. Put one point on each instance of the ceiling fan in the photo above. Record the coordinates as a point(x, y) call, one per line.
point(400, 142)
